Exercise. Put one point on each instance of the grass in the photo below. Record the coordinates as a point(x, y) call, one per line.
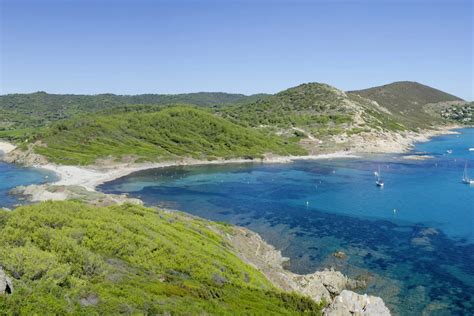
point(72, 258)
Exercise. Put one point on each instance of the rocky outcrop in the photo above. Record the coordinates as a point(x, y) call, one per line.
point(6, 285)
point(44, 192)
point(26, 157)
point(350, 303)
point(328, 285)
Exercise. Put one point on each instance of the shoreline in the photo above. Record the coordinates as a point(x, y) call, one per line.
point(93, 176)
point(89, 177)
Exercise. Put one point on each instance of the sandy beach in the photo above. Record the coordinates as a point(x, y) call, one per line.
point(91, 177)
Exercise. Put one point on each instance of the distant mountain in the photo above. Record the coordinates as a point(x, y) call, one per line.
point(407, 101)
point(35, 109)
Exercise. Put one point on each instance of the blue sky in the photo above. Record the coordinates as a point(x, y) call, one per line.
point(131, 47)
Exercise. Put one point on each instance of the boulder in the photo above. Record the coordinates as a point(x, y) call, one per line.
point(350, 303)
point(6, 285)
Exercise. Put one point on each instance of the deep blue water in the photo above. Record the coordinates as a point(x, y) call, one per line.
point(12, 176)
point(413, 240)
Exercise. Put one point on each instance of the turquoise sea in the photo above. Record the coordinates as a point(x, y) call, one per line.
point(12, 176)
point(413, 240)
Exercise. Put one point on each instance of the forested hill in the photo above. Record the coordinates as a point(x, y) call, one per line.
point(170, 133)
point(35, 109)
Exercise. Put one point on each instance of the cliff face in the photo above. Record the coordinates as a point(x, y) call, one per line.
point(331, 286)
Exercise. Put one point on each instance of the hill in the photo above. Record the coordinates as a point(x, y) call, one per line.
point(407, 101)
point(170, 133)
point(71, 258)
point(315, 111)
point(40, 108)
point(72, 129)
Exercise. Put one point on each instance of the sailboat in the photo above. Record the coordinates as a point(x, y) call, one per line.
point(465, 176)
point(378, 181)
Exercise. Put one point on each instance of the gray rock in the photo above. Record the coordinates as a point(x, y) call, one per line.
point(6, 284)
point(350, 303)
point(90, 300)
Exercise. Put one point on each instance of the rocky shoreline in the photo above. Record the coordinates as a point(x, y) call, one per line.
point(330, 286)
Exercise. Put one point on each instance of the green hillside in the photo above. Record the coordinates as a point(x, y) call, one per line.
point(167, 134)
point(40, 108)
point(318, 109)
point(314, 105)
point(71, 258)
point(75, 129)
point(407, 100)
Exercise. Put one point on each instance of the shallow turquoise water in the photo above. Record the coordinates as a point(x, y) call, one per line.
point(12, 176)
point(310, 209)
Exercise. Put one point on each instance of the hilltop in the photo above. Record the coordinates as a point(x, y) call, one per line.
point(324, 117)
point(407, 101)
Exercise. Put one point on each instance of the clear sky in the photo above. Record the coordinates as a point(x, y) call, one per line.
point(138, 46)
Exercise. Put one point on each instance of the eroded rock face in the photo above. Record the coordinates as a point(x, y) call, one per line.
point(350, 303)
point(6, 285)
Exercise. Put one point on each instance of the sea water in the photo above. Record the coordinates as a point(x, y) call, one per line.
point(13, 175)
point(412, 240)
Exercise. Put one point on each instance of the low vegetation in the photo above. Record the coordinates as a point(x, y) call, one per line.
point(71, 258)
point(314, 107)
point(459, 113)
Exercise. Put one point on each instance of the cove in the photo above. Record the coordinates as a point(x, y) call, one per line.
point(12, 176)
point(413, 239)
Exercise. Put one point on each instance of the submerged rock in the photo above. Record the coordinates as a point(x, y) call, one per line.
point(6, 284)
point(340, 254)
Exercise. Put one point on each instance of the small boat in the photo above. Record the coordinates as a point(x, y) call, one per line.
point(465, 176)
point(471, 149)
point(449, 151)
point(378, 182)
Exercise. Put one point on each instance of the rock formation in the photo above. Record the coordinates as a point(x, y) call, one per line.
point(328, 285)
point(6, 285)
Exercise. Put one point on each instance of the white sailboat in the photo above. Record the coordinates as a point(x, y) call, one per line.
point(379, 182)
point(465, 176)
